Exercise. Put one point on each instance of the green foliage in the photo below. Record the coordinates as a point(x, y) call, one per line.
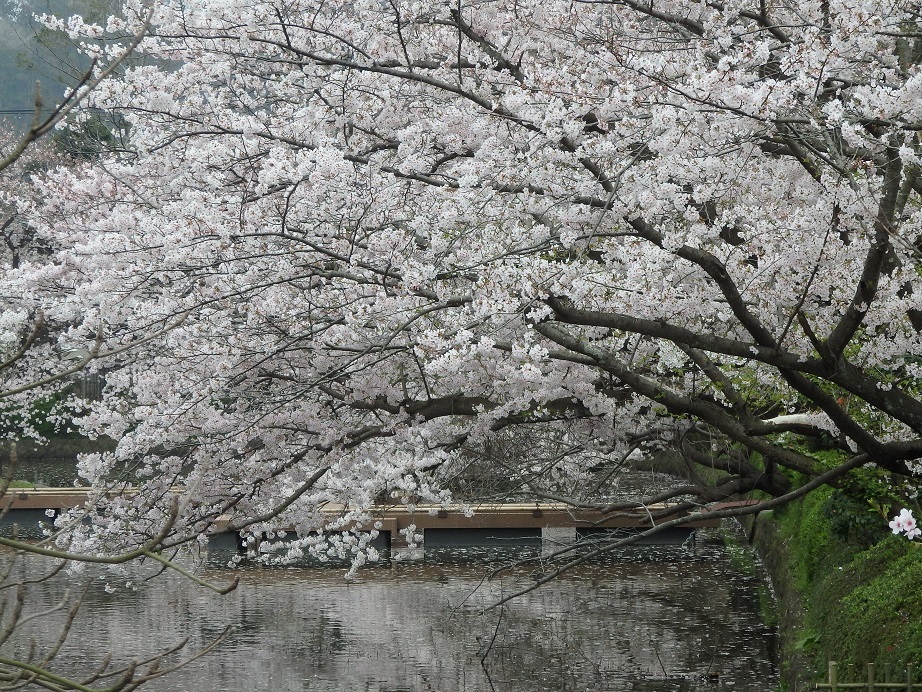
point(862, 586)
point(44, 418)
point(806, 527)
point(870, 608)
point(855, 521)
point(851, 514)
point(827, 458)
point(808, 641)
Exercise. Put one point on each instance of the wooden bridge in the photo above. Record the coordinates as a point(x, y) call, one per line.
point(483, 524)
point(514, 516)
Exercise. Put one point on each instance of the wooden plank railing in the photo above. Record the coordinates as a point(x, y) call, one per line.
point(872, 682)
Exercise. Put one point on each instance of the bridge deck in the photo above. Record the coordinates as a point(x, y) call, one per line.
point(398, 518)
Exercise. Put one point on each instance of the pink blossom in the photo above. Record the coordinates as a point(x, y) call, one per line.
point(904, 522)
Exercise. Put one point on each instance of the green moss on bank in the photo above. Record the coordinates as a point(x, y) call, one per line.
point(805, 529)
point(871, 608)
point(743, 561)
point(21, 484)
point(863, 603)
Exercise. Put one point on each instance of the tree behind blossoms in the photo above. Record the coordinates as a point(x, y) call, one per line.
point(348, 246)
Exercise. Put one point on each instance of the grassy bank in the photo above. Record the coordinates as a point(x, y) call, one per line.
point(848, 590)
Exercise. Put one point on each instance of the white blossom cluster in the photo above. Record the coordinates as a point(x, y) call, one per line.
point(347, 241)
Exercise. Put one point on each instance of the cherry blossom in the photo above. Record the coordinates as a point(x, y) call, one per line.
point(905, 523)
point(348, 249)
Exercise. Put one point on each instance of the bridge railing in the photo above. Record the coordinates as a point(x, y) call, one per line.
point(872, 679)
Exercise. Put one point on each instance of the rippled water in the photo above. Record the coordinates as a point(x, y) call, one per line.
point(652, 618)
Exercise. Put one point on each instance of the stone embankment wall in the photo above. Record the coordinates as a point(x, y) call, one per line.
point(765, 537)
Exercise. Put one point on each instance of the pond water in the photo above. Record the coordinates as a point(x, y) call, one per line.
point(649, 618)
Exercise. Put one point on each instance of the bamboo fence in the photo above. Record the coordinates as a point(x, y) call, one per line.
point(873, 680)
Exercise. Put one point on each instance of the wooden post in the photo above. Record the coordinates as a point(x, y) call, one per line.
point(909, 678)
point(871, 670)
point(833, 676)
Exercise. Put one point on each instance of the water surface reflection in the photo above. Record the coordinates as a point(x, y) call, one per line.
point(652, 618)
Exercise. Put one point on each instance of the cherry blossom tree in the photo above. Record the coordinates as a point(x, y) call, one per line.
point(34, 366)
point(349, 242)
point(30, 365)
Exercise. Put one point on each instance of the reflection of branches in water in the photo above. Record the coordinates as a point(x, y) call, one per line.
point(496, 650)
point(572, 646)
point(484, 652)
point(656, 653)
point(486, 577)
point(489, 679)
point(35, 666)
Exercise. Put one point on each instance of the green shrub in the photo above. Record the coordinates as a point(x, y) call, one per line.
point(870, 610)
